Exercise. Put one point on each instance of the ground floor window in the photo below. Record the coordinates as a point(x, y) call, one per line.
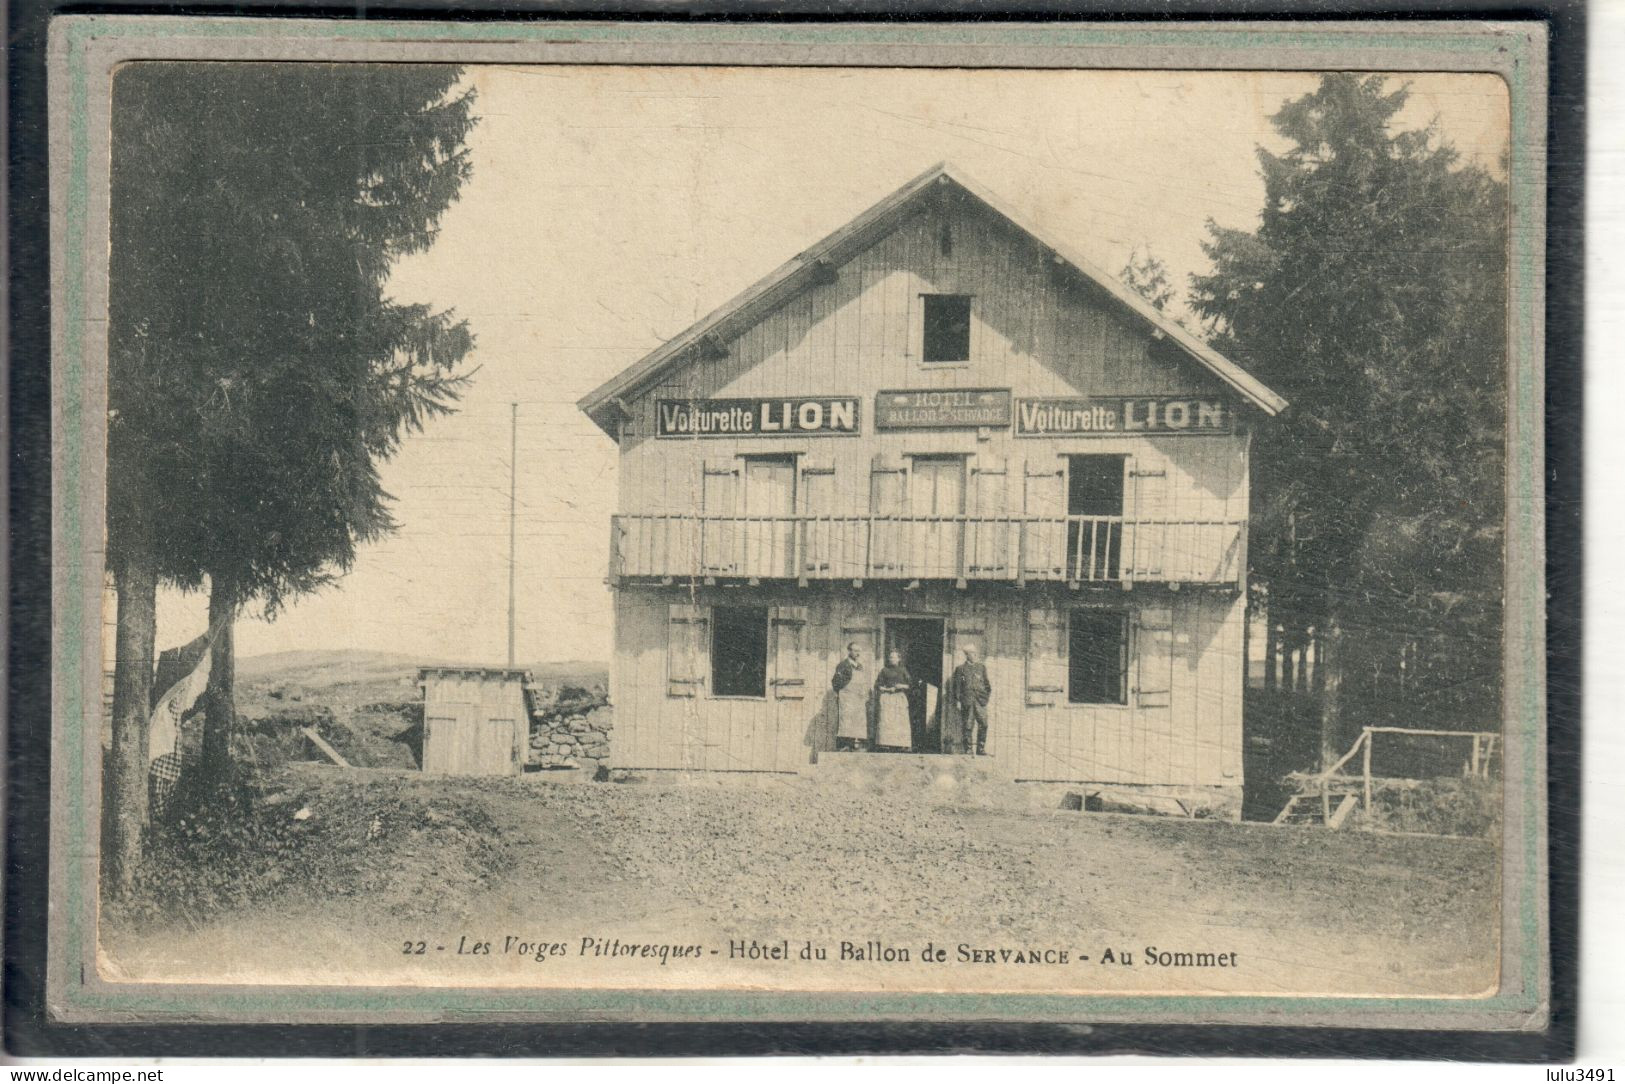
point(739, 651)
point(1097, 657)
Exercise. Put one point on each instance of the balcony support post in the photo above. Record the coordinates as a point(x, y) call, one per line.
point(1021, 554)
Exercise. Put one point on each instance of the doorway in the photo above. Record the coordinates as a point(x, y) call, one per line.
point(920, 641)
point(1094, 510)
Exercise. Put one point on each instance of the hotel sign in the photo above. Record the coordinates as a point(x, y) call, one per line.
point(948, 408)
point(756, 417)
point(1112, 416)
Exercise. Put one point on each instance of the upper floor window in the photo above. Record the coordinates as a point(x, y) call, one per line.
point(947, 327)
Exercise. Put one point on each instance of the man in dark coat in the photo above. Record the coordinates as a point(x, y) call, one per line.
point(968, 694)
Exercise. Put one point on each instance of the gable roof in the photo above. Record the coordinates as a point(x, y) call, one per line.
point(816, 263)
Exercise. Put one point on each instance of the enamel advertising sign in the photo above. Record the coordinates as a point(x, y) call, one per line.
point(1119, 415)
point(756, 417)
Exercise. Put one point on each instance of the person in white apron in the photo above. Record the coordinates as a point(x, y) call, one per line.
point(851, 701)
point(892, 728)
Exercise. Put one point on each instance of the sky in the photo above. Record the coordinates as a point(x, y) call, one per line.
point(611, 207)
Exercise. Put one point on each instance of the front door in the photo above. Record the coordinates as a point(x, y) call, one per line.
point(920, 641)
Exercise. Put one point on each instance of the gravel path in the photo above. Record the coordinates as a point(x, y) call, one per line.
point(1308, 909)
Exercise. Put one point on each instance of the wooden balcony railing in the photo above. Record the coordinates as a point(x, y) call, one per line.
point(1075, 549)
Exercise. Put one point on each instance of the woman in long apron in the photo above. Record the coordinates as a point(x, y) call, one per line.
point(892, 729)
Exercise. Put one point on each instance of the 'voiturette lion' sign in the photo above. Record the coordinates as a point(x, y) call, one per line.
point(756, 417)
point(1121, 415)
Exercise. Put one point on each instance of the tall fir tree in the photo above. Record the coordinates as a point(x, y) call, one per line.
point(259, 369)
point(1373, 296)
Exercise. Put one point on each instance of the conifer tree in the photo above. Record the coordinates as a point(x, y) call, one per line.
point(259, 369)
point(1373, 296)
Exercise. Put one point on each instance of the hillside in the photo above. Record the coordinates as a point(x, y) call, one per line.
point(367, 704)
point(322, 669)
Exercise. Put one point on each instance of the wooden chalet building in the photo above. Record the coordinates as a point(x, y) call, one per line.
point(935, 427)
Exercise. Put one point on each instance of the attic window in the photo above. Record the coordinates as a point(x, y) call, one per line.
point(947, 327)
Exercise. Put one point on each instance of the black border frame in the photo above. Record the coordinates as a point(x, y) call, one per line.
point(27, 513)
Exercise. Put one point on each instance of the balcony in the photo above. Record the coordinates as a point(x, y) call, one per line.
point(1014, 549)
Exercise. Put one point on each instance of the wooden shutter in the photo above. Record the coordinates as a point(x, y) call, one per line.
point(1154, 658)
point(720, 497)
point(821, 535)
point(888, 495)
point(789, 652)
point(1145, 489)
point(989, 544)
point(1044, 497)
point(688, 644)
point(1046, 658)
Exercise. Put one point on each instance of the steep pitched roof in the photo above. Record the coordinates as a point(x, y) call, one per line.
point(817, 262)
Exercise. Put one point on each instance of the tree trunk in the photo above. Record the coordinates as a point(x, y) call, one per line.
point(220, 703)
point(1272, 644)
point(1331, 701)
point(1247, 614)
point(136, 581)
point(1318, 646)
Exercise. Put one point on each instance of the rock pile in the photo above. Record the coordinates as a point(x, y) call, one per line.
point(571, 733)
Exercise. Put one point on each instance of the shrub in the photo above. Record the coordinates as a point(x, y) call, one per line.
point(1458, 806)
point(247, 843)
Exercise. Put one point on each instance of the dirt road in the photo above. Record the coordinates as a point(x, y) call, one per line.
point(568, 883)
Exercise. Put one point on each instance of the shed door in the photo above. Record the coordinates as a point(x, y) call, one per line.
point(494, 750)
point(447, 726)
point(460, 739)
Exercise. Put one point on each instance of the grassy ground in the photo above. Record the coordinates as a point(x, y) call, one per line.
point(340, 874)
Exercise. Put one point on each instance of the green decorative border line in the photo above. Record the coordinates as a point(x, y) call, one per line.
point(76, 994)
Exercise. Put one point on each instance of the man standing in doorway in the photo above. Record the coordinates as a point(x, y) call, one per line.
point(851, 701)
point(968, 694)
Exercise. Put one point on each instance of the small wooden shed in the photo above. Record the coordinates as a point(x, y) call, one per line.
point(476, 719)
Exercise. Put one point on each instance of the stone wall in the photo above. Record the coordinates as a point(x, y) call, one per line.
point(571, 736)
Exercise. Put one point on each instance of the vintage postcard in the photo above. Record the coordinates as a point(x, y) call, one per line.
point(694, 522)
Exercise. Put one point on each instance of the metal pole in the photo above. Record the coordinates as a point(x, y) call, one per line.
point(513, 461)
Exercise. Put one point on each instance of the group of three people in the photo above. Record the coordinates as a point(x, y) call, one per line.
point(890, 726)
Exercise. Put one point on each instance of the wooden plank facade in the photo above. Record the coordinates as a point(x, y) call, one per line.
point(1074, 473)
